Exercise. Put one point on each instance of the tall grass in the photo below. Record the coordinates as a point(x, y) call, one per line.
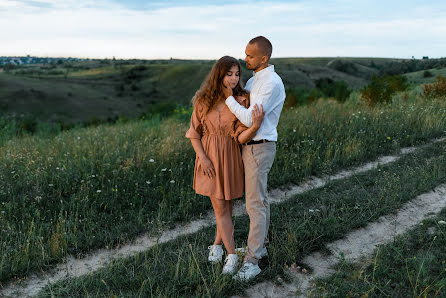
point(299, 226)
point(101, 186)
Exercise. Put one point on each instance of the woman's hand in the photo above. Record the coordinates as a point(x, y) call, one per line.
point(257, 116)
point(208, 167)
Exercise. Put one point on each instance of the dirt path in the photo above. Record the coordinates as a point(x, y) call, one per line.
point(356, 244)
point(76, 267)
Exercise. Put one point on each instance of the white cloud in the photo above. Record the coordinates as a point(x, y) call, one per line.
point(105, 29)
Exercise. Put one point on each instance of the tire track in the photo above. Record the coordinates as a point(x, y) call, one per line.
point(100, 258)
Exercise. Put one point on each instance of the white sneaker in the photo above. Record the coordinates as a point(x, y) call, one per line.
point(215, 253)
point(243, 250)
point(247, 272)
point(231, 263)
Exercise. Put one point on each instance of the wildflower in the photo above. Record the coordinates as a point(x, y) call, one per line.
point(172, 181)
point(148, 182)
point(98, 191)
point(388, 138)
point(50, 185)
point(442, 222)
point(310, 210)
point(78, 138)
point(294, 130)
point(151, 160)
point(163, 170)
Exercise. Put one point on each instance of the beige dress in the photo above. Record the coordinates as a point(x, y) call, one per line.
point(218, 132)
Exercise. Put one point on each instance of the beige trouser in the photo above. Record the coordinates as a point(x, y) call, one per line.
point(257, 160)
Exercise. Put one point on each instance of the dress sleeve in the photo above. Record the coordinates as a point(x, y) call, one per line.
point(196, 127)
point(239, 127)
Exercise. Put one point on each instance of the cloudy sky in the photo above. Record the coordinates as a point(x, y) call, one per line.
point(192, 29)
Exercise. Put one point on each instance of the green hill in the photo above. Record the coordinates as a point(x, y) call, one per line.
point(83, 91)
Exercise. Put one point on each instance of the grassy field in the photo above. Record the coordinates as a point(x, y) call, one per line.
point(102, 186)
point(298, 227)
point(103, 93)
point(413, 265)
point(418, 77)
point(85, 91)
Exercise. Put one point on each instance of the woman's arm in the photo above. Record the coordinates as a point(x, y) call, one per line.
point(206, 163)
point(257, 118)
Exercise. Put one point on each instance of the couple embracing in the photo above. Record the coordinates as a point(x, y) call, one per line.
point(233, 131)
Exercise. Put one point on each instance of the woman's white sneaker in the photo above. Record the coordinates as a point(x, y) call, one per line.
point(231, 264)
point(247, 272)
point(215, 253)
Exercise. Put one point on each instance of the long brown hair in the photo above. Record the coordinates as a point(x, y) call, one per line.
point(211, 91)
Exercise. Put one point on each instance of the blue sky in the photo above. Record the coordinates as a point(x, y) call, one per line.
point(192, 29)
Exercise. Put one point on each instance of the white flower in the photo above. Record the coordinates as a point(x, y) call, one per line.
point(151, 160)
point(98, 191)
point(172, 181)
point(310, 210)
point(50, 185)
point(294, 130)
point(12, 172)
point(163, 170)
point(78, 138)
point(442, 222)
point(148, 182)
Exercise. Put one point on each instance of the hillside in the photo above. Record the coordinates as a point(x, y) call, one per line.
point(83, 91)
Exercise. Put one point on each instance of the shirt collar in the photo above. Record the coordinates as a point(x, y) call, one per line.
point(262, 72)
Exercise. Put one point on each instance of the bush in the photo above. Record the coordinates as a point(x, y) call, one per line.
point(427, 74)
point(297, 96)
point(337, 90)
point(435, 90)
point(381, 89)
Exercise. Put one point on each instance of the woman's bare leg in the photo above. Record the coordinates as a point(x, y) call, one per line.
point(225, 228)
point(218, 239)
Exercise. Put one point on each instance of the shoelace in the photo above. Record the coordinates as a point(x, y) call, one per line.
point(244, 269)
point(230, 261)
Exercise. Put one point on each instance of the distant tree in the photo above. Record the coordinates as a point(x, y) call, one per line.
point(381, 89)
point(427, 74)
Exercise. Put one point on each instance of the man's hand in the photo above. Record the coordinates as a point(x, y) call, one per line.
point(257, 115)
point(227, 91)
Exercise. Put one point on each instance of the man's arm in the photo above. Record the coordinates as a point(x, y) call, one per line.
point(264, 97)
point(243, 114)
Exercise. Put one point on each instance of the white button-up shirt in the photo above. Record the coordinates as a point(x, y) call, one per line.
point(266, 88)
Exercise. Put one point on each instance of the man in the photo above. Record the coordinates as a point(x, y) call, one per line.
point(267, 90)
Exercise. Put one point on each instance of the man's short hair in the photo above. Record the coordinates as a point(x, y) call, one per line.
point(264, 45)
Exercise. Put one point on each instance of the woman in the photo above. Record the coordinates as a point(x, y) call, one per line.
point(216, 135)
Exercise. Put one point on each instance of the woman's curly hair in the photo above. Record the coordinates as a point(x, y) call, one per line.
point(211, 91)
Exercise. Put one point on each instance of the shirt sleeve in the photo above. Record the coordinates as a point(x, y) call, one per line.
point(196, 128)
point(266, 95)
point(239, 127)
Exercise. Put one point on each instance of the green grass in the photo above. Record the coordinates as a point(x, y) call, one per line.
point(77, 92)
point(180, 267)
point(100, 92)
point(417, 77)
point(102, 186)
point(413, 265)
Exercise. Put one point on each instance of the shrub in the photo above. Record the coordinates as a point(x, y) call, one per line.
point(427, 74)
point(297, 96)
point(381, 89)
point(435, 90)
point(337, 90)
